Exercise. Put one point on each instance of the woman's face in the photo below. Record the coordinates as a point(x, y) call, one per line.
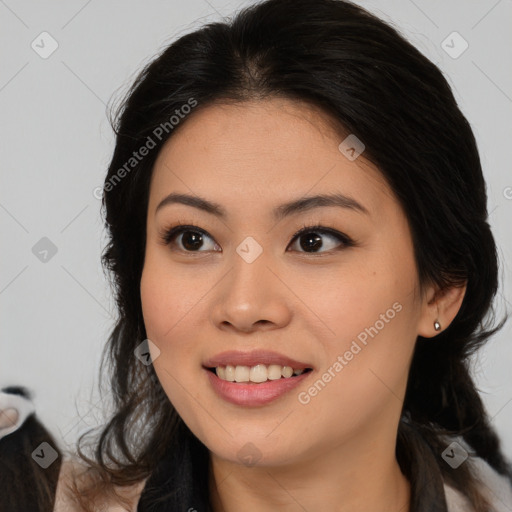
point(347, 308)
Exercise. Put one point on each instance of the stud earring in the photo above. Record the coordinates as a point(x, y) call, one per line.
point(437, 326)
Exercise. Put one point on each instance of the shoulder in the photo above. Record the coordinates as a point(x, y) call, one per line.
point(64, 500)
point(455, 500)
point(497, 488)
point(74, 470)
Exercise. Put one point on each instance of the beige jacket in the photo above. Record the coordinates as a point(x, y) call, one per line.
point(495, 486)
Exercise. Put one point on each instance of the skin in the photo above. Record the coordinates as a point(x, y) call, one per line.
point(8, 418)
point(336, 452)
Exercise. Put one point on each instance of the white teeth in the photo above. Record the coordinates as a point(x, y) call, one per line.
point(257, 374)
point(287, 371)
point(230, 373)
point(242, 373)
point(274, 372)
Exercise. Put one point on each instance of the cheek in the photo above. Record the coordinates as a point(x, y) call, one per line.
point(371, 311)
point(352, 297)
point(161, 313)
point(161, 316)
point(156, 304)
point(166, 299)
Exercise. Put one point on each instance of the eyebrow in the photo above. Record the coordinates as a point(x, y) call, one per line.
point(284, 210)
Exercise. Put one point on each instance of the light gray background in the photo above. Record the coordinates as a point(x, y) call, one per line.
point(56, 144)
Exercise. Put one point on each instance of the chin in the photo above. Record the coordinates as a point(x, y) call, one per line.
point(254, 451)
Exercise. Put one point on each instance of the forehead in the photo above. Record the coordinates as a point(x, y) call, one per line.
point(265, 152)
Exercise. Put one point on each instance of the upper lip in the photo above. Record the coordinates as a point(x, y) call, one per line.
point(266, 357)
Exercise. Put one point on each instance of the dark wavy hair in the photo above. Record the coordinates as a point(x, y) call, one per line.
point(361, 72)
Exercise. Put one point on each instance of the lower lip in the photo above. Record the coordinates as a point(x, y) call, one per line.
point(254, 394)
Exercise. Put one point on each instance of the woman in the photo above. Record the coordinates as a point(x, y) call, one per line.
point(315, 357)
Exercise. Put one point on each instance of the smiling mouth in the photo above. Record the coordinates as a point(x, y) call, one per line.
point(257, 374)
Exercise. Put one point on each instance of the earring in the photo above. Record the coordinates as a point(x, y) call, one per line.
point(437, 326)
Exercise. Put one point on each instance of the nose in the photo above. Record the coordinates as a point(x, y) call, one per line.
point(252, 297)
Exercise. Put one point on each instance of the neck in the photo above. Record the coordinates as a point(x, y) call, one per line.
point(353, 477)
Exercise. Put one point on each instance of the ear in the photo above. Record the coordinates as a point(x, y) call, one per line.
point(441, 305)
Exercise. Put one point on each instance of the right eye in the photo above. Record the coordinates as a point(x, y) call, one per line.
point(191, 237)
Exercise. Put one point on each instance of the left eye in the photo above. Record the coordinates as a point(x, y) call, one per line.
point(309, 238)
point(312, 237)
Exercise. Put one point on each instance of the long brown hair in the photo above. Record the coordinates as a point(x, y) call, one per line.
point(362, 71)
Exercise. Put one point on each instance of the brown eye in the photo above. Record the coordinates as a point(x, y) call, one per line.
point(310, 239)
point(192, 238)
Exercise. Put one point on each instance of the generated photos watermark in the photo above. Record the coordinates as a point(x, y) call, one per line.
point(344, 359)
point(158, 133)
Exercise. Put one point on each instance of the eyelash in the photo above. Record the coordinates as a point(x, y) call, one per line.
point(167, 235)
